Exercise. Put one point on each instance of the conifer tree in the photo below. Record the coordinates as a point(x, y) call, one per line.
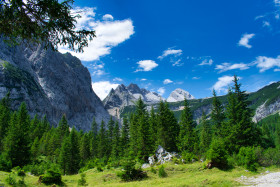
point(153, 126)
point(133, 133)
point(116, 141)
point(217, 115)
point(124, 139)
point(17, 144)
point(239, 128)
point(35, 148)
point(206, 134)
point(63, 127)
point(65, 155)
point(102, 141)
point(168, 128)
point(188, 138)
point(4, 118)
point(85, 147)
point(109, 134)
point(74, 150)
point(93, 138)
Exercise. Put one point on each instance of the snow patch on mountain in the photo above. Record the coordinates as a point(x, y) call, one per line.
point(179, 95)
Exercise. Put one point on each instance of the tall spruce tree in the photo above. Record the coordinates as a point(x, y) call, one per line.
point(153, 127)
point(168, 128)
point(217, 115)
point(85, 147)
point(188, 138)
point(239, 128)
point(116, 141)
point(17, 141)
point(124, 139)
point(93, 138)
point(101, 141)
point(65, 156)
point(4, 118)
point(206, 134)
point(74, 150)
point(63, 127)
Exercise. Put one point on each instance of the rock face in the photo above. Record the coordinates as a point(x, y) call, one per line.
point(179, 95)
point(50, 83)
point(263, 110)
point(124, 96)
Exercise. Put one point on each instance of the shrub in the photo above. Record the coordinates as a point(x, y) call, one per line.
point(188, 157)
point(247, 158)
point(51, 177)
point(153, 170)
point(130, 173)
point(82, 181)
point(5, 163)
point(11, 179)
point(268, 157)
point(161, 172)
point(217, 154)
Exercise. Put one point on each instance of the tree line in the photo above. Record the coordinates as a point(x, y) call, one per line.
point(33, 144)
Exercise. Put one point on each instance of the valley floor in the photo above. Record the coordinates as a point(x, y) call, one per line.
point(178, 175)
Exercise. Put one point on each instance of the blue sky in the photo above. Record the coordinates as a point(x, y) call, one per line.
point(196, 45)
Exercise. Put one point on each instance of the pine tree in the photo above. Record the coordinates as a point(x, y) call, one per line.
point(35, 148)
point(109, 134)
point(124, 139)
point(206, 134)
point(93, 138)
point(102, 141)
point(239, 128)
point(17, 144)
point(63, 127)
point(217, 115)
point(153, 127)
point(65, 155)
point(187, 137)
point(4, 118)
point(116, 141)
point(75, 151)
point(85, 147)
point(168, 128)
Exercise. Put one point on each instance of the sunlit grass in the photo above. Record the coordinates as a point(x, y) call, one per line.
point(178, 175)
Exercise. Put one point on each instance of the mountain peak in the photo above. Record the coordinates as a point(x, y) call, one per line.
point(134, 88)
point(179, 95)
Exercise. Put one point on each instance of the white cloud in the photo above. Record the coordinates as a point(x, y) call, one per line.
point(266, 24)
point(221, 86)
point(146, 65)
point(103, 88)
point(228, 66)
point(265, 63)
point(98, 72)
point(143, 79)
point(276, 70)
point(107, 17)
point(206, 62)
point(277, 2)
point(97, 68)
point(108, 35)
point(196, 78)
point(161, 91)
point(117, 79)
point(178, 63)
point(169, 51)
point(244, 41)
point(167, 81)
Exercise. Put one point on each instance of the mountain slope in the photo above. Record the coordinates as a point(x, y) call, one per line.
point(264, 102)
point(179, 95)
point(50, 83)
point(125, 96)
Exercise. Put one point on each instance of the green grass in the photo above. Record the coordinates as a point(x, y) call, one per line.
point(178, 175)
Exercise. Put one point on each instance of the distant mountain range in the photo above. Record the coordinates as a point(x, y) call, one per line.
point(264, 102)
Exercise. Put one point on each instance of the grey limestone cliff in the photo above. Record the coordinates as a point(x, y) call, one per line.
point(50, 83)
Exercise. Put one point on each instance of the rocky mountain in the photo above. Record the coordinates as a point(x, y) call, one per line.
point(179, 95)
point(264, 102)
point(50, 83)
point(125, 96)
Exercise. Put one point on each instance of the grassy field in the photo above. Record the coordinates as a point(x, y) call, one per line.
point(178, 175)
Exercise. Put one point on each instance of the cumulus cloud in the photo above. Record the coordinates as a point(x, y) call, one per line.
point(208, 62)
point(169, 51)
point(244, 41)
point(264, 63)
point(228, 66)
point(167, 81)
point(103, 88)
point(108, 34)
point(161, 91)
point(143, 79)
point(117, 79)
point(107, 17)
point(221, 86)
point(146, 65)
point(97, 68)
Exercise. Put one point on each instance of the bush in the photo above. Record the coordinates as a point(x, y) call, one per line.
point(153, 170)
point(130, 173)
point(188, 157)
point(11, 179)
point(247, 158)
point(5, 163)
point(82, 181)
point(161, 172)
point(217, 154)
point(51, 177)
point(268, 157)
